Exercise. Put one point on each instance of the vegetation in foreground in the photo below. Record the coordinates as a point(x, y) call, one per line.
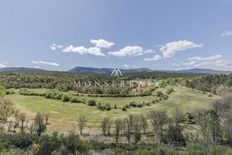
point(195, 127)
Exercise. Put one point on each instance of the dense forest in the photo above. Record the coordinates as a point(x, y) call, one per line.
point(216, 84)
point(65, 81)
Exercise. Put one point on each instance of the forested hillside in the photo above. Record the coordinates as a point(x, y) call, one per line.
point(67, 81)
point(211, 83)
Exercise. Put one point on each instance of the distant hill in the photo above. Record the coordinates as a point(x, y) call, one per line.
point(206, 71)
point(109, 70)
point(106, 70)
point(19, 69)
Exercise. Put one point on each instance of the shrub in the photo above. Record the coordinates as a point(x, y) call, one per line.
point(137, 136)
point(124, 108)
point(174, 136)
point(103, 107)
point(8, 92)
point(53, 94)
point(115, 106)
point(66, 98)
point(133, 104)
point(27, 92)
point(92, 103)
point(169, 91)
point(75, 100)
point(159, 94)
point(139, 105)
point(83, 100)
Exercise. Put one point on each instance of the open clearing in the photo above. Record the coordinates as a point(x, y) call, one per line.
point(64, 115)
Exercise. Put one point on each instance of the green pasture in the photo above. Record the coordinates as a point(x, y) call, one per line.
point(183, 98)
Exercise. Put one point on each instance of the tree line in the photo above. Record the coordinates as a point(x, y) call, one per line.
point(65, 81)
point(216, 84)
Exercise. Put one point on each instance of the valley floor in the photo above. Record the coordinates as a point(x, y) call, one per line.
point(64, 116)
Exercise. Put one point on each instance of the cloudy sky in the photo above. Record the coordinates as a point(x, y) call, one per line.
point(158, 34)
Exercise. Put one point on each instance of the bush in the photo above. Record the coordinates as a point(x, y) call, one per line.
point(53, 94)
point(175, 137)
point(139, 105)
point(92, 103)
point(115, 106)
point(169, 91)
point(75, 100)
point(27, 92)
point(133, 104)
point(159, 94)
point(8, 92)
point(103, 107)
point(127, 106)
point(66, 98)
point(124, 108)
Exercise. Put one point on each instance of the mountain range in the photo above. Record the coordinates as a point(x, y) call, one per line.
point(109, 70)
point(80, 69)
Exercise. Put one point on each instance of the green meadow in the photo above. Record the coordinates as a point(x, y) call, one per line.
point(64, 114)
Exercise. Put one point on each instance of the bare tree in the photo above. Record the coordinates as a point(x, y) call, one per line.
point(158, 120)
point(105, 125)
point(82, 122)
point(46, 117)
point(222, 108)
point(144, 123)
point(10, 126)
point(227, 129)
point(202, 120)
point(6, 109)
point(40, 126)
point(127, 129)
point(137, 128)
point(118, 126)
point(2, 128)
point(32, 128)
point(131, 120)
point(178, 117)
point(109, 127)
point(22, 119)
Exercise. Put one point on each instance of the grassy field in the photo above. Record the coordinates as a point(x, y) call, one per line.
point(64, 115)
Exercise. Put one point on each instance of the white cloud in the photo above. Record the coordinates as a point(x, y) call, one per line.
point(215, 61)
point(125, 66)
point(101, 43)
point(46, 63)
point(37, 67)
point(128, 51)
point(78, 49)
point(2, 66)
point(95, 50)
point(99, 47)
point(171, 48)
point(55, 47)
point(83, 50)
point(155, 58)
point(226, 34)
point(148, 51)
point(210, 58)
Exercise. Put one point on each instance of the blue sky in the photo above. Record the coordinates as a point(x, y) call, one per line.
point(158, 34)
